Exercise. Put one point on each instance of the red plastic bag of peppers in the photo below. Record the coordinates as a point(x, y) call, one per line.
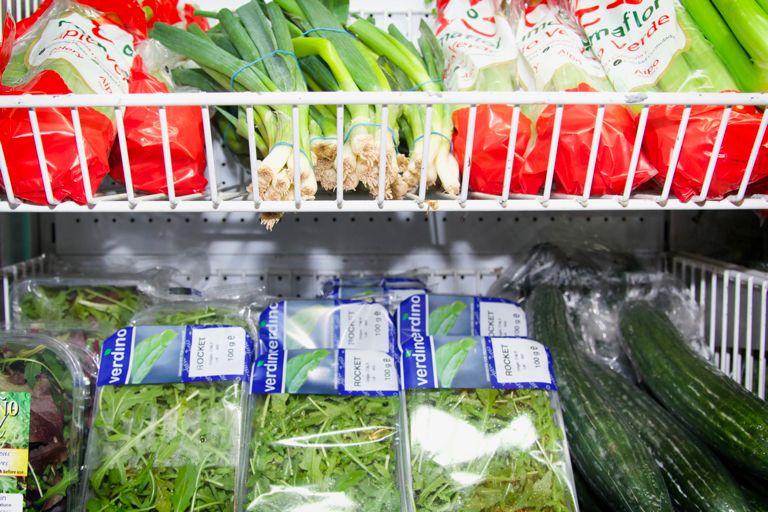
point(87, 47)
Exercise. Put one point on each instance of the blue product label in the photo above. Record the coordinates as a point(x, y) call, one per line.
point(326, 372)
point(157, 354)
point(474, 362)
point(418, 363)
point(460, 315)
point(116, 358)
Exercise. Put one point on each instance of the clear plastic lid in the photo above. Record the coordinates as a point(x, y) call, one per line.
point(43, 397)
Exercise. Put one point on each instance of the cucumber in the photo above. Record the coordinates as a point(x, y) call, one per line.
point(588, 502)
point(620, 467)
point(733, 421)
point(696, 479)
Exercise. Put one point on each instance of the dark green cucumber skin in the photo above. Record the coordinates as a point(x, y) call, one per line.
point(619, 465)
point(588, 502)
point(730, 419)
point(696, 479)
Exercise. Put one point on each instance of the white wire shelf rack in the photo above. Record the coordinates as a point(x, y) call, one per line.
point(236, 197)
point(734, 306)
point(733, 302)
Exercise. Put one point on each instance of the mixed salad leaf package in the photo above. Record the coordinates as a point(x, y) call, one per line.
point(484, 429)
point(169, 412)
point(324, 419)
point(43, 400)
point(102, 304)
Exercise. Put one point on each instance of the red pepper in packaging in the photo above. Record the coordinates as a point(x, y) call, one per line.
point(627, 37)
point(480, 55)
point(552, 45)
point(145, 142)
point(66, 47)
point(89, 47)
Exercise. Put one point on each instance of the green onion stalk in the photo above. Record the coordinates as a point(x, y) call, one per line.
point(425, 72)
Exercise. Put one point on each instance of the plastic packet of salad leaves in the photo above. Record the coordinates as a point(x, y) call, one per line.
point(392, 288)
point(102, 304)
point(485, 432)
point(43, 397)
point(324, 420)
point(168, 426)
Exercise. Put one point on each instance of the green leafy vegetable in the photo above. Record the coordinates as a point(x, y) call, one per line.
point(314, 452)
point(171, 447)
point(165, 447)
point(298, 368)
point(442, 319)
point(102, 308)
point(149, 352)
point(450, 357)
point(487, 450)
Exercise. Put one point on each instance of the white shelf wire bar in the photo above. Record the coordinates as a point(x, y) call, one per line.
point(734, 312)
point(242, 199)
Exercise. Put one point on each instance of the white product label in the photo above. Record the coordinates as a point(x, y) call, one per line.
point(634, 39)
point(502, 319)
point(364, 326)
point(217, 351)
point(11, 502)
point(520, 361)
point(367, 370)
point(473, 37)
point(548, 42)
point(102, 53)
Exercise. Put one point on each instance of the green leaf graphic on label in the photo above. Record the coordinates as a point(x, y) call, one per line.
point(442, 320)
point(298, 368)
point(300, 326)
point(149, 352)
point(450, 357)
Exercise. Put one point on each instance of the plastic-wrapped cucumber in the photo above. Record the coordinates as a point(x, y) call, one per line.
point(166, 435)
point(43, 395)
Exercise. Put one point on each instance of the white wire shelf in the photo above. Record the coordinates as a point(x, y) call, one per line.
point(237, 198)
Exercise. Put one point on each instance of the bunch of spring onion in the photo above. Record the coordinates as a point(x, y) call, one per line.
point(318, 50)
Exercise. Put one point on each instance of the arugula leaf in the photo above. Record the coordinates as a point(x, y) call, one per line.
point(298, 368)
point(149, 352)
point(486, 451)
point(323, 452)
point(444, 318)
point(450, 357)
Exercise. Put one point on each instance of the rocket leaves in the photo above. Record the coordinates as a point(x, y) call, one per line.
point(323, 452)
point(168, 447)
point(487, 450)
point(298, 368)
point(443, 319)
point(450, 357)
point(148, 352)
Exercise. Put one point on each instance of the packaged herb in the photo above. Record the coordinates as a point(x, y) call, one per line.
point(459, 315)
point(394, 288)
point(485, 431)
point(168, 420)
point(100, 304)
point(43, 396)
point(324, 424)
